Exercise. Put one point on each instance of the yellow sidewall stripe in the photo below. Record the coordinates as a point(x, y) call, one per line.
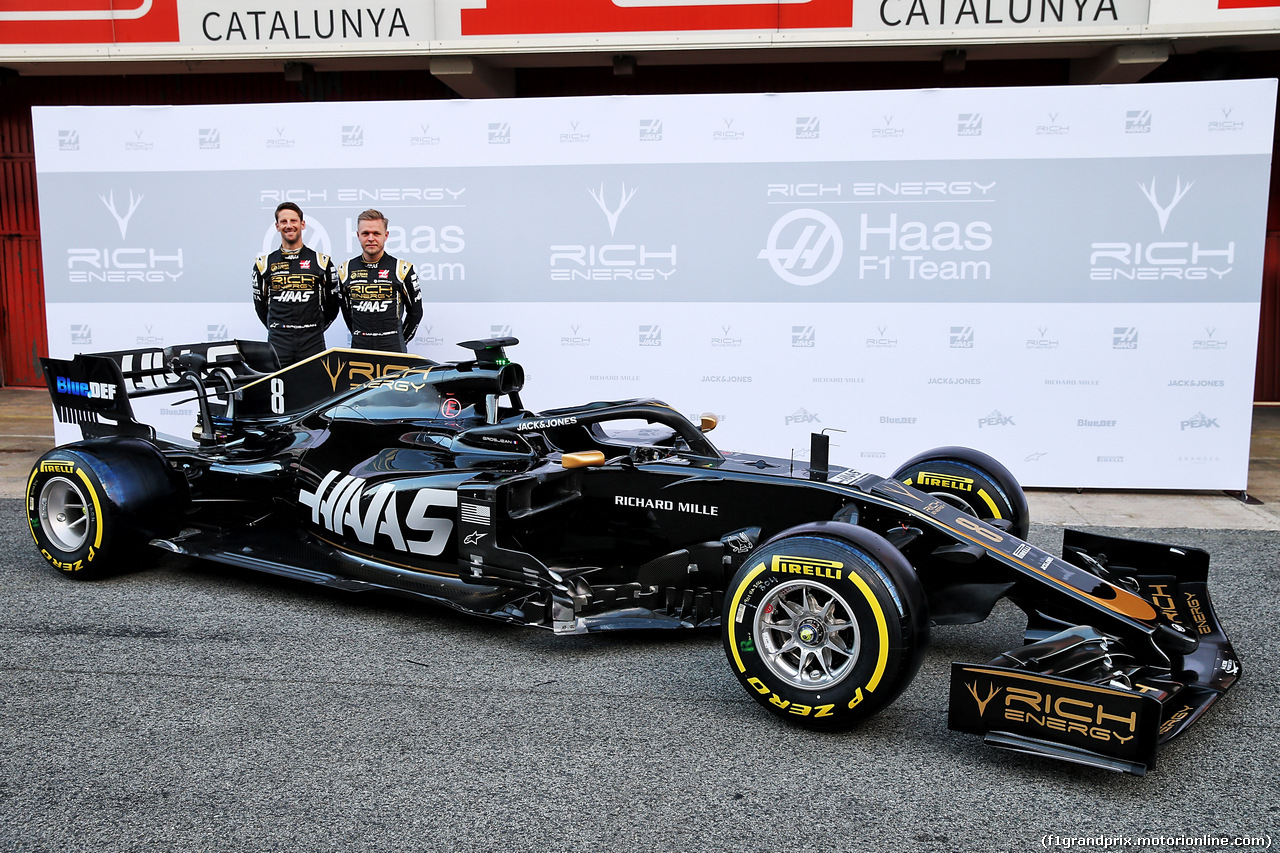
point(882, 624)
point(733, 613)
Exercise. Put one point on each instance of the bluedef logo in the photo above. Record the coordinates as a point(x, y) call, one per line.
point(91, 390)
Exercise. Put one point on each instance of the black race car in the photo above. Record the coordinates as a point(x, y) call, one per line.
point(375, 471)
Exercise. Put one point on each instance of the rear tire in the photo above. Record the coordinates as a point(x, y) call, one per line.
point(820, 631)
point(91, 505)
point(971, 481)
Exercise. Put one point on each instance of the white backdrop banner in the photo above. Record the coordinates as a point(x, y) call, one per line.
point(1067, 278)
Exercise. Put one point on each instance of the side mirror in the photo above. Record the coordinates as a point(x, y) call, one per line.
point(707, 422)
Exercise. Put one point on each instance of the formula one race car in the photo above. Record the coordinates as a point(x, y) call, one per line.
point(368, 471)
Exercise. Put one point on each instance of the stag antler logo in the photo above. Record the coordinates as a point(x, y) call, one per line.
point(612, 215)
point(121, 220)
point(1163, 211)
point(333, 374)
point(992, 690)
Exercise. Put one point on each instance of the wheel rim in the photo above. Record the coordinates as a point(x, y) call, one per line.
point(64, 514)
point(807, 635)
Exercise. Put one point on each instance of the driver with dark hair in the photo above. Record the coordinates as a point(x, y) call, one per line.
point(377, 290)
point(295, 291)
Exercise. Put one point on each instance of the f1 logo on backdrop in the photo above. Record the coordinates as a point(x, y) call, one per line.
point(70, 22)
point(522, 17)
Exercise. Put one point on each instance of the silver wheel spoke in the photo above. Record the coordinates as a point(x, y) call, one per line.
point(814, 646)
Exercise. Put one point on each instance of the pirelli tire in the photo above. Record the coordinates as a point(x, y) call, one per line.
point(91, 505)
point(972, 481)
point(825, 625)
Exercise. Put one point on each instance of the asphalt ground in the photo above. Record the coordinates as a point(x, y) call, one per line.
point(194, 707)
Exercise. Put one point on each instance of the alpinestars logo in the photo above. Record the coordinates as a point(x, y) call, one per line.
point(804, 247)
point(612, 214)
point(122, 219)
point(1163, 210)
point(807, 127)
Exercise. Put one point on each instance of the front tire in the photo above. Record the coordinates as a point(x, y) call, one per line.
point(91, 505)
point(971, 481)
point(821, 631)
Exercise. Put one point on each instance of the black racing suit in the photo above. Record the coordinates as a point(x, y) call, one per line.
point(374, 296)
point(296, 296)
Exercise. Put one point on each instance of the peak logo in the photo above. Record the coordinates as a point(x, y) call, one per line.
point(804, 247)
point(802, 416)
point(1199, 421)
point(996, 419)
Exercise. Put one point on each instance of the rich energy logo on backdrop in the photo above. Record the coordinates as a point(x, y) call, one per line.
point(1162, 259)
point(612, 261)
point(127, 262)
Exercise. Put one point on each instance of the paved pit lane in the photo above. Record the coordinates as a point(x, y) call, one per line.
point(192, 707)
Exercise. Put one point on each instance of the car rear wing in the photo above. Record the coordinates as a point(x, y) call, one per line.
point(230, 379)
